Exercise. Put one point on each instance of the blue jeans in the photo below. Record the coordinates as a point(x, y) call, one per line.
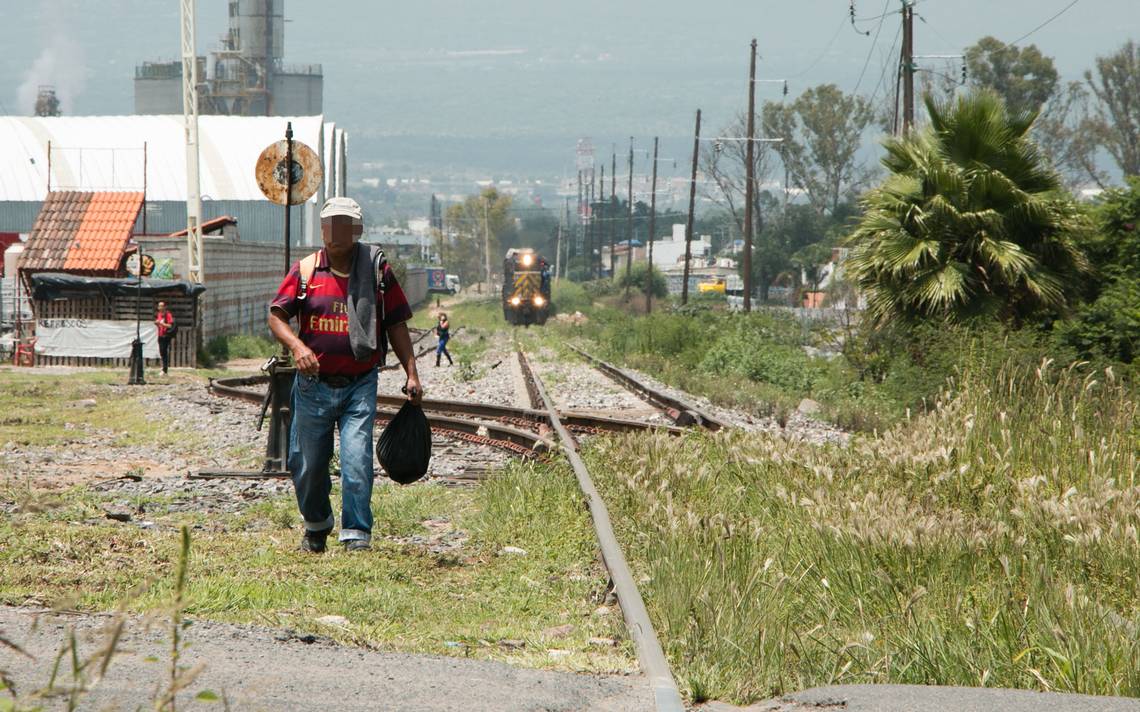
point(317, 409)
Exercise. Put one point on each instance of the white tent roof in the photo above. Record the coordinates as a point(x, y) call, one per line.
point(105, 153)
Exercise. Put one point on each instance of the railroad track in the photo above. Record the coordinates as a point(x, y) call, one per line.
point(521, 431)
point(679, 411)
point(505, 436)
point(650, 655)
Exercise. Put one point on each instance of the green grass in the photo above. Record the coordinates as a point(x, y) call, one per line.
point(45, 410)
point(991, 542)
point(400, 596)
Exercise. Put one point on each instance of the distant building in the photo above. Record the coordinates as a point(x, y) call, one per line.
point(245, 76)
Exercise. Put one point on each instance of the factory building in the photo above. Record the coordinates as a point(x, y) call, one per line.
point(245, 76)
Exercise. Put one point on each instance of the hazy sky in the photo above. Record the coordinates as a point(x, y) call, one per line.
point(607, 68)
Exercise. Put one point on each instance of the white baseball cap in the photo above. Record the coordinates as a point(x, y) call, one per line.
point(342, 206)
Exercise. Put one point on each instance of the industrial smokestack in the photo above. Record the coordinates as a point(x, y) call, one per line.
point(47, 103)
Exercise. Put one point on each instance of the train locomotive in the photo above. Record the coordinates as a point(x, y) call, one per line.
point(526, 287)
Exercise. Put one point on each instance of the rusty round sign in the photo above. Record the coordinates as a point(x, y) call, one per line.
point(272, 176)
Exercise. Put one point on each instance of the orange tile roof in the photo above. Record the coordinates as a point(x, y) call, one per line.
point(82, 232)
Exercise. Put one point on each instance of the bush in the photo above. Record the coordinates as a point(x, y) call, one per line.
point(639, 279)
point(225, 348)
point(569, 297)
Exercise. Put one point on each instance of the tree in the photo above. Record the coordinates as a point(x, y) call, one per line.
point(639, 280)
point(970, 222)
point(726, 163)
point(1022, 76)
point(1068, 134)
point(822, 132)
point(490, 211)
point(1108, 324)
point(1116, 86)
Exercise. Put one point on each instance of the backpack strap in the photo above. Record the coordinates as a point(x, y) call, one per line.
point(379, 262)
point(305, 268)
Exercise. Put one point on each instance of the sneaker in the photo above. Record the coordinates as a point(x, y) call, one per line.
point(314, 542)
point(357, 545)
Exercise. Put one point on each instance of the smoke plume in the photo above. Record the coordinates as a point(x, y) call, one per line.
point(59, 65)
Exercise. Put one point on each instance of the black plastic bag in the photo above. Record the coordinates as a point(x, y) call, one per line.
point(404, 448)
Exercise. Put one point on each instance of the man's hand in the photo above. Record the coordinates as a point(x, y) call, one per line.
point(305, 360)
point(401, 342)
point(414, 390)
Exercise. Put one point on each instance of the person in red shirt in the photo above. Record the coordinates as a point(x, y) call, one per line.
point(164, 320)
point(333, 388)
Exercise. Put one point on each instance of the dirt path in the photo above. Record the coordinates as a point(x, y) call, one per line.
point(267, 669)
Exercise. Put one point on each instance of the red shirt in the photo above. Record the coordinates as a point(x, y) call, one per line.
point(324, 315)
point(163, 320)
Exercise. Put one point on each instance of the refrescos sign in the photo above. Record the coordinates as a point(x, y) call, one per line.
point(96, 338)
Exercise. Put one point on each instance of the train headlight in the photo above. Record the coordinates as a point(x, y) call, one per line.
point(515, 301)
point(539, 301)
point(527, 260)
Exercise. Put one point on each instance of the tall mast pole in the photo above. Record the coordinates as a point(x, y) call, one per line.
point(613, 202)
point(652, 227)
point(749, 179)
point(194, 263)
point(692, 207)
point(908, 65)
point(629, 226)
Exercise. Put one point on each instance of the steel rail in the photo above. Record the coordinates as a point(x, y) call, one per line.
point(682, 413)
point(532, 393)
point(579, 421)
point(666, 697)
point(523, 442)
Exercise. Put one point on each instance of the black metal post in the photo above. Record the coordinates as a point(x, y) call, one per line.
point(135, 363)
point(281, 372)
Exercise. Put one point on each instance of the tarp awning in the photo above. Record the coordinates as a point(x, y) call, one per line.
point(59, 285)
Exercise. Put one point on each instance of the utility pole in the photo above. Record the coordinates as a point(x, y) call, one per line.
point(578, 224)
point(597, 232)
point(558, 249)
point(652, 227)
point(629, 227)
point(692, 207)
point(613, 202)
point(749, 178)
point(566, 221)
point(486, 246)
point(908, 65)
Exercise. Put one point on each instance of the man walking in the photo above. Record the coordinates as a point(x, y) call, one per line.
point(346, 300)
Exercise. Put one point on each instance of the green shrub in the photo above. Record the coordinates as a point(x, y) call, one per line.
point(569, 297)
point(225, 348)
point(639, 279)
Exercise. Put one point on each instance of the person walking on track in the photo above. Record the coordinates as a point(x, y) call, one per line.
point(164, 321)
point(443, 333)
point(349, 306)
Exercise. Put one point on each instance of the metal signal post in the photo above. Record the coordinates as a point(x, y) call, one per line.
point(288, 173)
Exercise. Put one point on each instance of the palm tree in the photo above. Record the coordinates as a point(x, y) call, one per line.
point(971, 221)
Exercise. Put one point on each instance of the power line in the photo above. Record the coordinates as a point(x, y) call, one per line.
point(871, 51)
point(886, 65)
point(1047, 22)
point(823, 53)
